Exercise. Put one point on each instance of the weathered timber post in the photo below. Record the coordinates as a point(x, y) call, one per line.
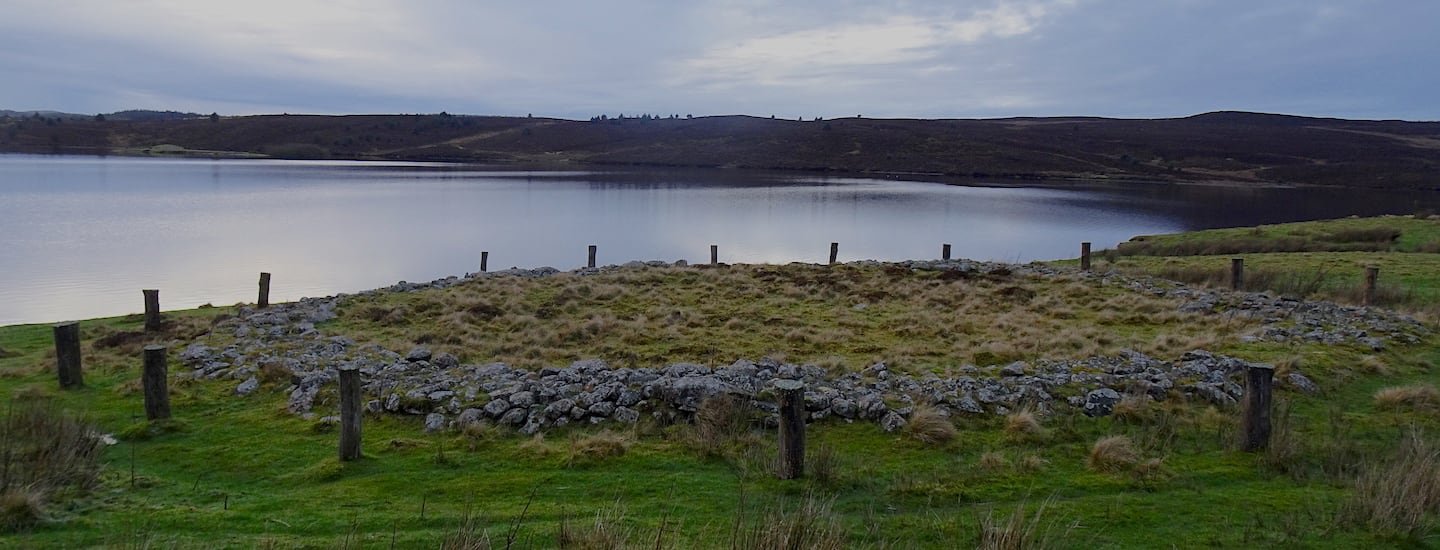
point(264, 300)
point(152, 310)
point(1084, 256)
point(1372, 276)
point(154, 384)
point(67, 355)
point(484, 261)
point(714, 254)
point(591, 261)
point(945, 251)
point(349, 413)
point(1237, 273)
point(834, 252)
point(792, 428)
point(1256, 421)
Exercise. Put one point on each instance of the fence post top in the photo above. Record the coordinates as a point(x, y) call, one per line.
point(789, 385)
point(155, 347)
point(63, 324)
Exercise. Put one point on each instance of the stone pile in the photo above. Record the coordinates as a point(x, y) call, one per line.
point(282, 345)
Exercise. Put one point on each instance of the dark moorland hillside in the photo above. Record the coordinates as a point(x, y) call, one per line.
point(1223, 146)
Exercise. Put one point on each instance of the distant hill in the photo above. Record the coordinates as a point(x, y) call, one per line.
point(1224, 146)
point(144, 115)
point(44, 114)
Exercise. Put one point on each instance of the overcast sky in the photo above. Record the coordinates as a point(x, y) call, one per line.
point(575, 59)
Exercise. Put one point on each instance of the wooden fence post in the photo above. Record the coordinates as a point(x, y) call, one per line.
point(591, 261)
point(1237, 273)
point(834, 252)
point(945, 251)
point(154, 384)
point(484, 261)
point(152, 310)
point(264, 300)
point(67, 355)
point(792, 428)
point(1372, 276)
point(1256, 420)
point(349, 413)
point(714, 254)
point(1084, 256)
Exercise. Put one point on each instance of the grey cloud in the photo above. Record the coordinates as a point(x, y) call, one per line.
point(806, 58)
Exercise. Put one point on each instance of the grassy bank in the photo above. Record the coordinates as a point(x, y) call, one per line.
point(243, 473)
point(1322, 259)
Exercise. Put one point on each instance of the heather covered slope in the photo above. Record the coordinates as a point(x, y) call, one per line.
point(1227, 146)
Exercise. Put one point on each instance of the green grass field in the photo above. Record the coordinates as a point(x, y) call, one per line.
point(234, 472)
point(1297, 258)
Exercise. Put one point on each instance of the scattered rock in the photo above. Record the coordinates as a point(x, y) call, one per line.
point(892, 421)
point(522, 399)
point(434, 422)
point(468, 417)
point(496, 408)
point(247, 387)
point(419, 353)
point(1101, 402)
point(626, 415)
point(1302, 383)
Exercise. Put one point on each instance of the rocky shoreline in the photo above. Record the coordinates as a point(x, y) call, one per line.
point(282, 344)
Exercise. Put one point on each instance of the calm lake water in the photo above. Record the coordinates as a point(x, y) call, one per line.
point(80, 236)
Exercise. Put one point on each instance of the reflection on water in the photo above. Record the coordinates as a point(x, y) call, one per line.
point(80, 236)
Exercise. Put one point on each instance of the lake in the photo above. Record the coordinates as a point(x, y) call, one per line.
point(81, 236)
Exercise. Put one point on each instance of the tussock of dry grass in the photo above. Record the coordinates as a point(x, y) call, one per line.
point(43, 451)
point(1150, 471)
point(598, 446)
point(607, 530)
point(1133, 408)
point(1374, 365)
point(719, 425)
point(844, 316)
point(1416, 397)
point(21, 509)
point(928, 425)
point(1400, 494)
point(992, 461)
point(810, 525)
point(1018, 531)
point(536, 445)
point(1023, 425)
point(1032, 463)
point(1112, 454)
